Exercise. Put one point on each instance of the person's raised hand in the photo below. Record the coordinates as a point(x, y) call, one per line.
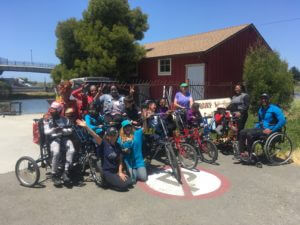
point(81, 123)
point(131, 89)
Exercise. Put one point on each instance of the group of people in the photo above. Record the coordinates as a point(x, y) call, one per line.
point(118, 126)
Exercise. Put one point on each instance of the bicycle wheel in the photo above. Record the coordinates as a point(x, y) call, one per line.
point(188, 156)
point(208, 151)
point(173, 162)
point(279, 149)
point(96, 170)
point(27, 171)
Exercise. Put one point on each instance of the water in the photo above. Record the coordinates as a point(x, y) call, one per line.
point(32, 106)
point(297, 95)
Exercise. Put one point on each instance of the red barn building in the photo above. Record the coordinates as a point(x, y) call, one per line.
point(213, 60)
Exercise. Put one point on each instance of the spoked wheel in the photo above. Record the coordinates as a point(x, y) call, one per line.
point(208, 151)
point(188, 156)
point(27, 171)
point(96, 170)
point(173, 162)
point(279, 149)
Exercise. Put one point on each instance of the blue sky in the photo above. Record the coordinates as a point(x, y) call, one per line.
point(30, 25)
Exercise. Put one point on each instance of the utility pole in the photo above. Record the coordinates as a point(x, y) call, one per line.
point(31, 55)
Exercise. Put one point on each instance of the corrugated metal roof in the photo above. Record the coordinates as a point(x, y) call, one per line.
point(192, 43)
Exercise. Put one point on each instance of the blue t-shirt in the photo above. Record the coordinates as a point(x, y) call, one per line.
point(135, 158)
point(183, 100)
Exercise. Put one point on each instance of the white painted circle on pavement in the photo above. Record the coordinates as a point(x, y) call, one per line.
point(195, 184)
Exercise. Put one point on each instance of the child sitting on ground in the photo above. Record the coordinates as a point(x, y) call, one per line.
point(222, 118)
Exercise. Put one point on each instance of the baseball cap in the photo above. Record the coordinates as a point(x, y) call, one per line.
point(125, 123)
point(184, 85)
point(265, 96)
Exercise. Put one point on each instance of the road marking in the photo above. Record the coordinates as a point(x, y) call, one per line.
point(195, 184)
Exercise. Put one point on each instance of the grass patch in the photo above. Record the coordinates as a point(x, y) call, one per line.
point(292, 125)
point(297, 87)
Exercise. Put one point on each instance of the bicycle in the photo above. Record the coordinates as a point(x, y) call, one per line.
point(27, 169)
point(205, 148)
point(164, 143)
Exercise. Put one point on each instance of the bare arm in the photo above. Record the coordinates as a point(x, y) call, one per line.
point(191, 101)
point(97, 138)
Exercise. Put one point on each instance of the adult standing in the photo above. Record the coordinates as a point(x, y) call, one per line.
point(64, 91)
point(113, 103)
point(183, 99)
point(86, 99)
point(239, 105)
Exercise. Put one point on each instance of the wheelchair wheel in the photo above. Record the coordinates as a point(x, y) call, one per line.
point(188, 156)
point(279, 149)
point(27, 171)
point(208, 151)
point(96, 171)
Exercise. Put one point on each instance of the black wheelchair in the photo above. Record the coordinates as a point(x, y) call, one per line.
point(27, 169)
point(275, 149)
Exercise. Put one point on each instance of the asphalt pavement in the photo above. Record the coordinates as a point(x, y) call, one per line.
point(262, 196)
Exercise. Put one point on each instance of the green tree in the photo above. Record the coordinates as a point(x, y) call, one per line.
point(103, 43)
point(264, 71)
point(296, 73)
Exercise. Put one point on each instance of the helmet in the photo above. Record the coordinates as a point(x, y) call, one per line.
point(265, 96)
point(57, 106)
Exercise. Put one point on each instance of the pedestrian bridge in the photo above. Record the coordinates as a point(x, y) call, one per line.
point(19, 66)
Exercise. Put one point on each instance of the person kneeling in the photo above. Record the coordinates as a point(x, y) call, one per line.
point(131, 142)
point(111, 157)
point(59, 131)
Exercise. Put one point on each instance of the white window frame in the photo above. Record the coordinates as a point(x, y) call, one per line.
point(164, 73)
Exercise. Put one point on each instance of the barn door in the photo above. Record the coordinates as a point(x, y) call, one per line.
point(195, 75)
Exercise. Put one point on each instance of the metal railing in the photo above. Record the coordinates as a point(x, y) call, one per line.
point(7, 62)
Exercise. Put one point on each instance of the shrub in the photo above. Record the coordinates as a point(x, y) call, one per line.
point(265, 72)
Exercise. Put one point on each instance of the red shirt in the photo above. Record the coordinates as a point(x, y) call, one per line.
point(219, 117)
point(82, 100)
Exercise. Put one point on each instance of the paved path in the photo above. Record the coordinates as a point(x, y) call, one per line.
point(267, 196)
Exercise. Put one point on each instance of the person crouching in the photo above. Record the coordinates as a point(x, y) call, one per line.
point(59, 131)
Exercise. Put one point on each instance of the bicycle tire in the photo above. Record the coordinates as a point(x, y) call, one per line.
point(31, 167)
point(96, 171)
point(188, 156)
point(173, 162)
point(286, 149)
point(208, 151)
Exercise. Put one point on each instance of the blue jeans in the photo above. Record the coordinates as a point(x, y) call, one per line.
point(138, 174)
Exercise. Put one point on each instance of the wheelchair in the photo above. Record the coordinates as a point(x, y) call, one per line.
point(276, 149)
point(27, 169)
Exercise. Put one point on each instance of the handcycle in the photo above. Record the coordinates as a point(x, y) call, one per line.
point(227, 142)
point(276, 148)
point(204, 148)
point(27, 169)
point(158, 143)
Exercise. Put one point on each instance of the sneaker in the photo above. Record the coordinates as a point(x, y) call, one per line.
point(244, 155)
point(65, 177)
point(56, 180)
